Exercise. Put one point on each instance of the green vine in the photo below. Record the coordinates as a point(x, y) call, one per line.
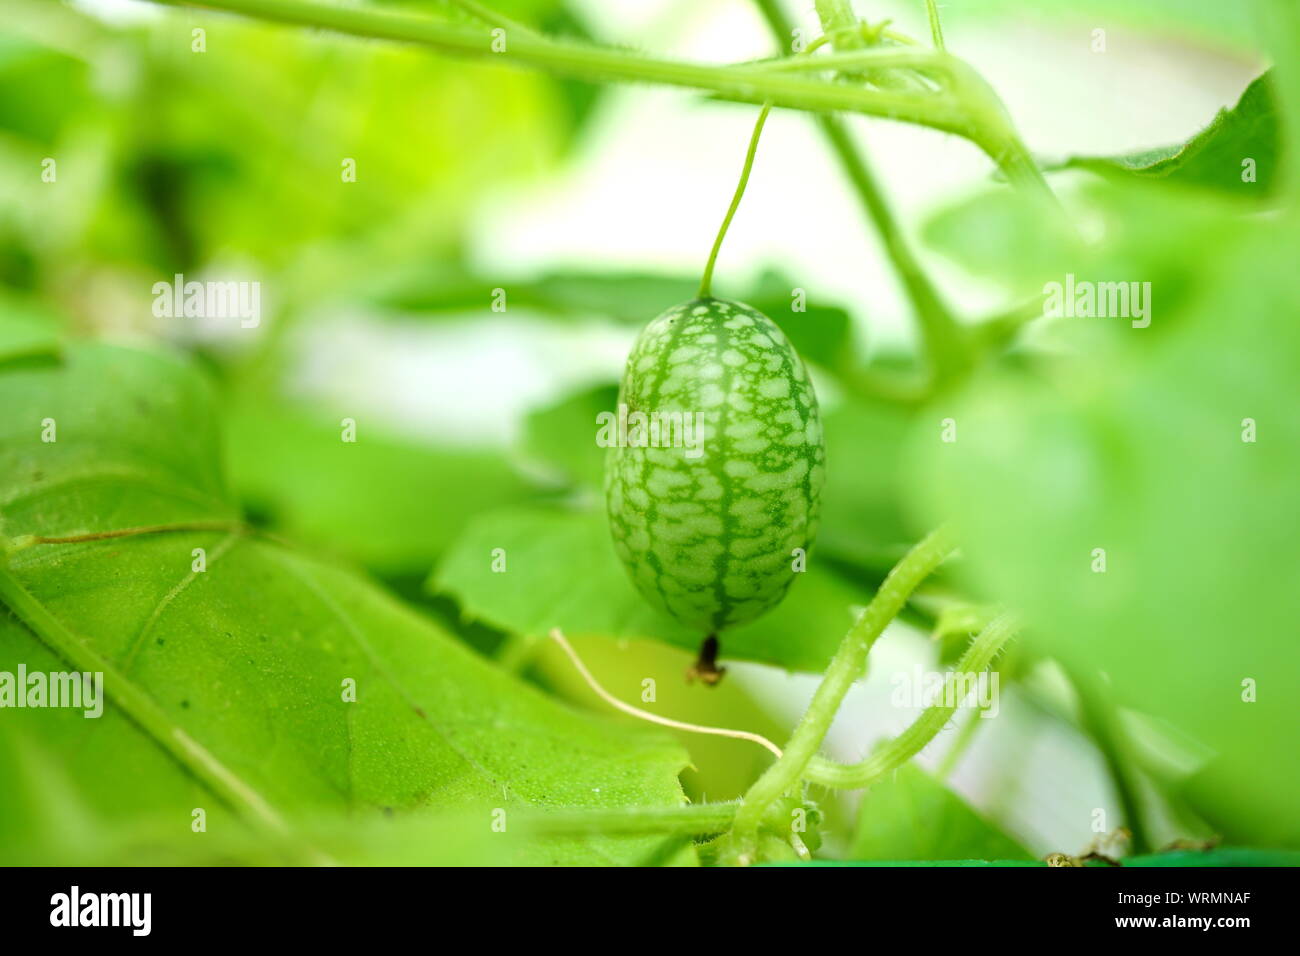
point(983, 650)
point(846, 667)
point(966, 105)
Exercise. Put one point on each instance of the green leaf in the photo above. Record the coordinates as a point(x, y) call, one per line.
point(820, 333)
point(633, 298)
point(561, 571)
point(1002, 235)
point(183, 196)
point(225, 686)
point(40, 89)
point(391, 503)
point(1142, 233)
point(912, 816)
point(1214, 157)
point(561, 437)
point(46, 819)
point(26, 331)
point(1135, 446)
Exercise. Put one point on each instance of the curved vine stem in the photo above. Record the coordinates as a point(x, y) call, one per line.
point(969, 108)
point(981, 653)
point(875, 58)
point(558, 636)
point(845, 668)
point(706, 281)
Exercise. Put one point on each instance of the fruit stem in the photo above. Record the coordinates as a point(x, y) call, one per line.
point(706, 667)
point(936, 30)
point(706, 281)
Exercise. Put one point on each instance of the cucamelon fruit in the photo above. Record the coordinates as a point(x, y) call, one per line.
point(711, 538)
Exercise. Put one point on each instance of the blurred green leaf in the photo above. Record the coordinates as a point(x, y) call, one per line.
point(1001, 235)
point(821, 333)
point(40, 90)
point(912, 816)
point(249, 657)
point(48, 819)
point(1214, 157)
point(1135, 446)
point(626, 297)
point(561, 571)
point(26, 330)
point(152, 177)
point(392, 503)
point(862, 518)
point(1135, 233)
point(562, 436)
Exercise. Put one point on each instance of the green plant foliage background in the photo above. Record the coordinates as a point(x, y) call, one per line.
point(249, 657)
point(371, 561)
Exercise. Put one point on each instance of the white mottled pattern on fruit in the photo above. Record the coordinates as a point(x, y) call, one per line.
point(710, 539)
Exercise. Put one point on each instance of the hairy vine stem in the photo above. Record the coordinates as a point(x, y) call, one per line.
point(845, 668)
point(969, 108)
point(981, 653)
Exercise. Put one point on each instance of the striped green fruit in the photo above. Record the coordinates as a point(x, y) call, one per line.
point(709, 534)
